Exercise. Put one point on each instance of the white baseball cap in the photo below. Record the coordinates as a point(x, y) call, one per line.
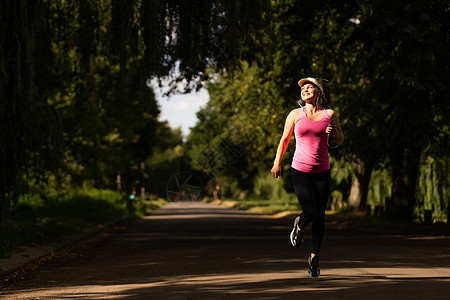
point(302, 81)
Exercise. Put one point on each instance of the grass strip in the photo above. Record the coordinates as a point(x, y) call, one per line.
point(33, 221)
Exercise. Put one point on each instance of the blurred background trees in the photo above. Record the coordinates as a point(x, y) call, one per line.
point(386, 71)
point(77, 109)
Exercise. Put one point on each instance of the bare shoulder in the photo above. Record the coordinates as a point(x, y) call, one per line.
point(331, 113)
point(293, 113)
point(292, 116)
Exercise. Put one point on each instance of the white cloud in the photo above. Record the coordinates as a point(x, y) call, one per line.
point(180, 110)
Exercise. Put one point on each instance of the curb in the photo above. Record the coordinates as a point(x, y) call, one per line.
point(18, 260)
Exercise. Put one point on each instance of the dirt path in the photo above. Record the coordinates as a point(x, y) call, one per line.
point(203, 251)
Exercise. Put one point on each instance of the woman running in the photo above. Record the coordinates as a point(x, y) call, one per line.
point(310, 170)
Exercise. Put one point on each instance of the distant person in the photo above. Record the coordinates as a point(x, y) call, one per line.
point(312, 125)
point(131, 200)
point(132, 196)
point(217, 194)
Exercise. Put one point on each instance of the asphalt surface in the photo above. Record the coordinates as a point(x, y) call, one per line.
point(203, 251)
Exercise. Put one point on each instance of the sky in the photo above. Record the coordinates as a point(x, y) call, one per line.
point(180, 110)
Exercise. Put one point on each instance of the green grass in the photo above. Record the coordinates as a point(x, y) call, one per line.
point(340, 219)
point(380, 224)
point(33, 221)
point(268, 207)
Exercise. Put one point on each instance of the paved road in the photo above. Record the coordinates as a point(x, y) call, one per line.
point(203, 251)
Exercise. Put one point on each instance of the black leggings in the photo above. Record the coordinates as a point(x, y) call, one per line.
point(312, 193)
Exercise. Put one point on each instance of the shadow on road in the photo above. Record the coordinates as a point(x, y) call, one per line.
point(202, 251)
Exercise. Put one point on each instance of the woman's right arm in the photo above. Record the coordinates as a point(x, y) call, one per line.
point(284, 142)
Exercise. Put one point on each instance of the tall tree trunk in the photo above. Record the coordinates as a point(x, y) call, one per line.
point(404, 179)
point(360, 185)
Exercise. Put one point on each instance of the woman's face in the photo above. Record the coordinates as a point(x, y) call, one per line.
point(309, 92)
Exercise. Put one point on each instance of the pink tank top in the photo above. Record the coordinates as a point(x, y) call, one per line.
point(311, 148)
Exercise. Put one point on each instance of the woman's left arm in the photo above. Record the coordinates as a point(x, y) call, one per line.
point(335, 129)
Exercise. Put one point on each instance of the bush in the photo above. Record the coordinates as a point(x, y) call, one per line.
point(35, 220)
point(268, 188)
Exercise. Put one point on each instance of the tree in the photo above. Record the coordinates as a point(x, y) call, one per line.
point(97, 55)
point(383, 64)
point(29, 138)
point(58, 59)
point(234, 135)
point(375, 84)
point(403, 59)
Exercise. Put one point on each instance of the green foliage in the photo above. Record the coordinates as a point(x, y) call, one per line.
point(401, 84)
point(237, 129)
point(167, 160)
point(29, 135)
point(76, 109)
point(143, 207)
point(384, 67)
point(266, 188)
point(35, 220)
point(380, 188)
point(74, 74)
point(341, 177)
point(268, 207)
point(200, 34)
point(433, 190)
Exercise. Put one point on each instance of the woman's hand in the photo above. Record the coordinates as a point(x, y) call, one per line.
point(334, 129)
point(276, 171)
point(331, 129)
